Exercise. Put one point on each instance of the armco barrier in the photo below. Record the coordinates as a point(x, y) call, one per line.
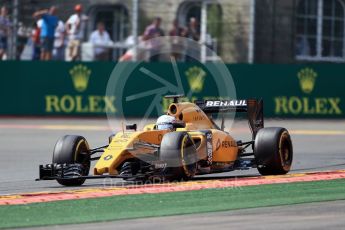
point(78, 89)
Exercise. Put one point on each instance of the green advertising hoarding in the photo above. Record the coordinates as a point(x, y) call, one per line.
point(54, 88)
point(309, 91)
point(79, 89)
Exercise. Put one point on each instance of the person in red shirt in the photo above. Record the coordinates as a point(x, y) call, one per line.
point(36, 41)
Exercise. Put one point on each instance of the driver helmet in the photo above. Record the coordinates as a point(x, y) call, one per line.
point(165, 122)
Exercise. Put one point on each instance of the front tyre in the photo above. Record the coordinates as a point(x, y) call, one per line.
point(71, 149)
point(273, 151)
point(179, 153)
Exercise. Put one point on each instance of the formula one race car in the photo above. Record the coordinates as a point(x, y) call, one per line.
point(189, 144)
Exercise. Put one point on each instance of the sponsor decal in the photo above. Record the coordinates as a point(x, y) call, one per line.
point(160, 165)
point(226, 103)
point(307, 105)
point(228, 144)
point(126, 135)
point(198, 118)
point(225, 144)
point(80, 76)
point(196, 78)
point(77, 103)
point(307, 78)
point(108, 157)
point(121, 140)
point(209, 147)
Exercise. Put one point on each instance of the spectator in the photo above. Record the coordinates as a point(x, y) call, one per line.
point(22, 39)
point(4, 31)
point(59, 42)
point(75, 27)
point(128, 55)
point(177, 30)
point(99, 38)
point(194, 34)
point(193, 29)
point(36, 40)
point(50, 22)
point(302, 46)
point(154, 31)
point(177, 45)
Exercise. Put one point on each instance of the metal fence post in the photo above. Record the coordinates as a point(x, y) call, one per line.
point(251, 40)
point(135, 29)
point(203, 30)
point(14, 30)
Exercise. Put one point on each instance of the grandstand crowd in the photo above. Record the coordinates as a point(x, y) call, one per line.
point(50, 38)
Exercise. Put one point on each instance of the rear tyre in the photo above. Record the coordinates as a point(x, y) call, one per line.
point(72, 149)
point(273, 151)
point(179, 153)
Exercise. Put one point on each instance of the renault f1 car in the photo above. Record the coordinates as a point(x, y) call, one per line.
point(196, 145)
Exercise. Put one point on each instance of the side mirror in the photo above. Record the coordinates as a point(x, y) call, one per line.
point(179, 124)
point(131, 127)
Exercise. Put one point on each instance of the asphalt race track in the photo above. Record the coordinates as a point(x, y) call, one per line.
point(26, 143)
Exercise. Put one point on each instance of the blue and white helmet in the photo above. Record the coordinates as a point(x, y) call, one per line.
point(165, 122)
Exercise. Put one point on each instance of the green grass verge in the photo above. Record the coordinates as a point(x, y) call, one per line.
point(149, 205)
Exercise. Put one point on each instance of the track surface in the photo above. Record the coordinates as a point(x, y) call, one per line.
point(26, 143)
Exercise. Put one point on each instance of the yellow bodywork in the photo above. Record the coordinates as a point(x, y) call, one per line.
point(121, 149)
point(224, 147)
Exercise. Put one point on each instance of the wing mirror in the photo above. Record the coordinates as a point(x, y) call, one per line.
point(179, 124)
point(131, 127)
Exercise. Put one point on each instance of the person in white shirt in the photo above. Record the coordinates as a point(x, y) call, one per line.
point(75, 27)
point(100, 39)
point(59, 42)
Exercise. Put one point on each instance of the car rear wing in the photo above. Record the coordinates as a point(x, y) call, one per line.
point(253, 108)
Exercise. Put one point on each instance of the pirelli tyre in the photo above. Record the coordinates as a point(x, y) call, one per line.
point(179, 154)
point(273, 151)
point(71, 149)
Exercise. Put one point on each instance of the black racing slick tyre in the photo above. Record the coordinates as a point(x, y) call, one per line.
point(179, 153)
point(273, 151)
point(72, 149)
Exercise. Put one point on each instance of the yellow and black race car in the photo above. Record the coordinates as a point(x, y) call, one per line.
point(188, 143)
